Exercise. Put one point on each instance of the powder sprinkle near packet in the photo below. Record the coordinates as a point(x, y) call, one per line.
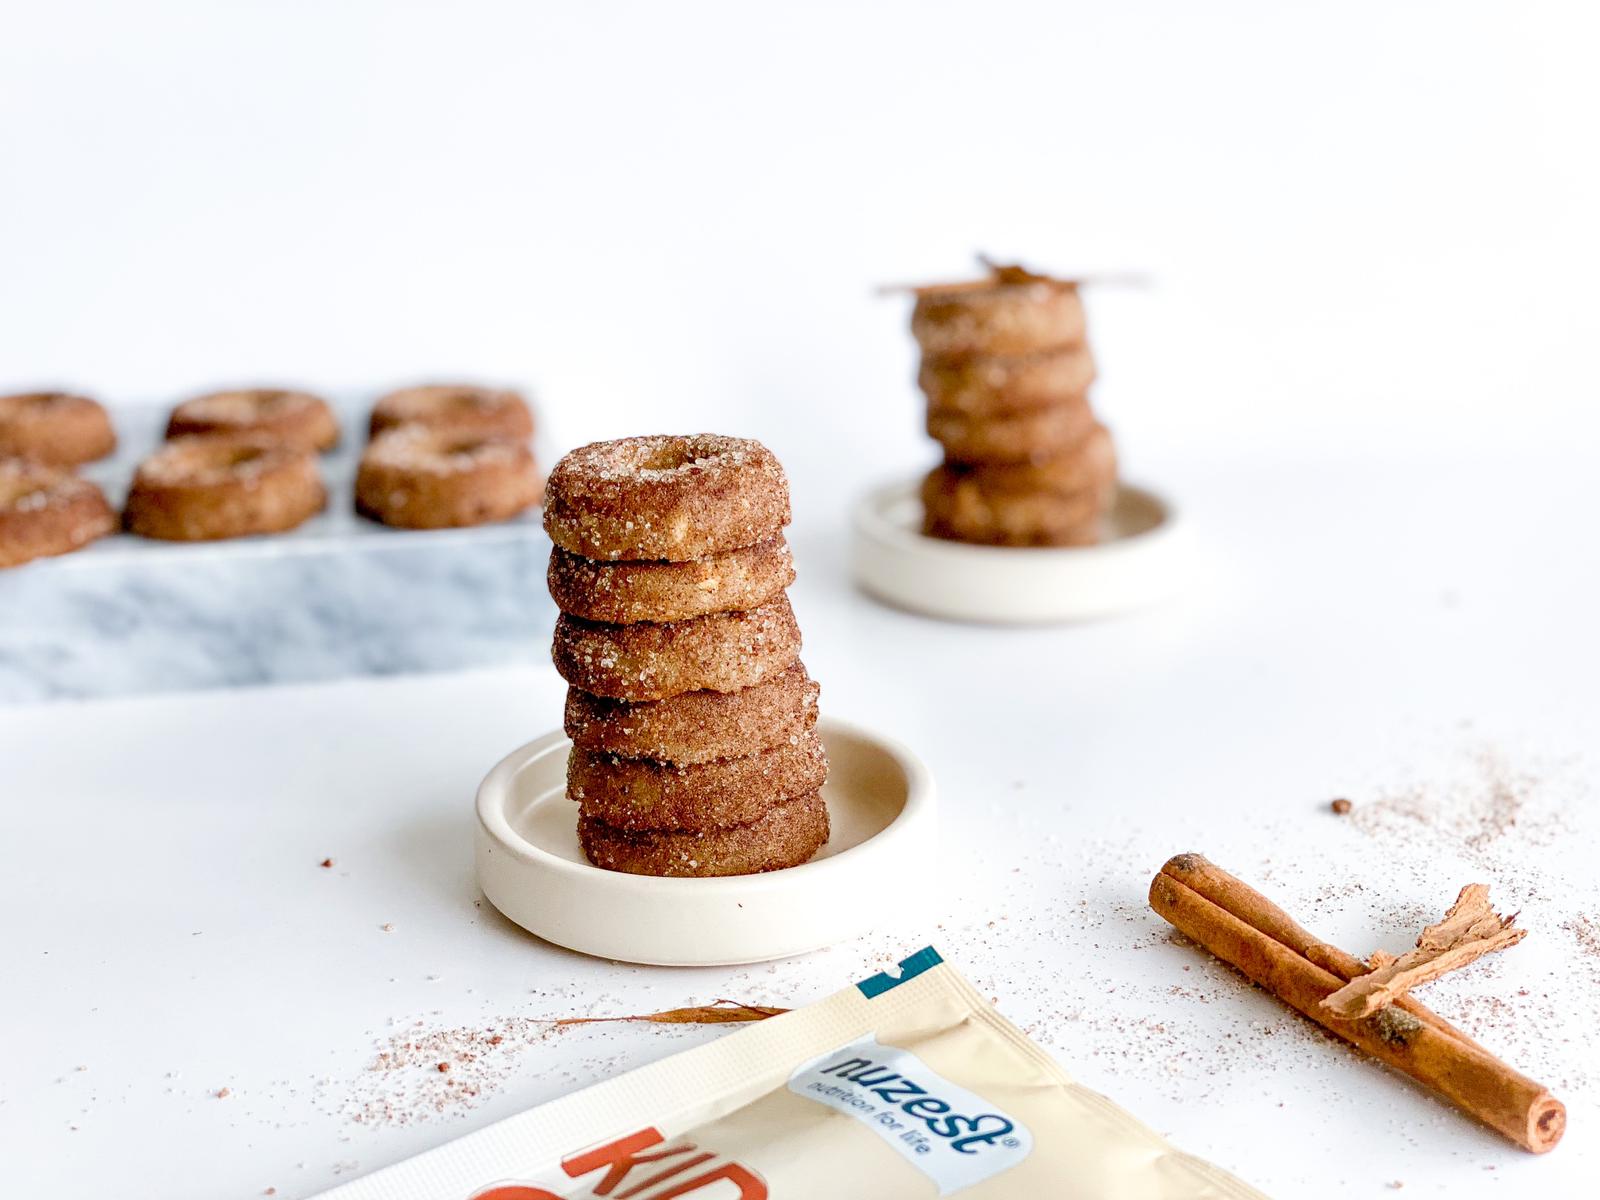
point(902, 1087)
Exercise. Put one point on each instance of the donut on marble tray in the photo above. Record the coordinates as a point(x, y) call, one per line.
point(296, 419)
point(46, 511)
point(55, 428)
point(457, 407)
point(200, 489)
point(722, 652)
point(632, 793)
point(699, 726)
point(668, 498)
point(785, 836)
point(625, 592)
point(415, 477)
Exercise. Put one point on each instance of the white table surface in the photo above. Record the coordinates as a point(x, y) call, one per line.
point(166, 930)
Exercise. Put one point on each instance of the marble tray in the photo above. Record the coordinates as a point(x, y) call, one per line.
point(339, 596)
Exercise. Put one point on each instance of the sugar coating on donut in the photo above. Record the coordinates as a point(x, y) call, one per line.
point(699, 726)
point(722, 652)
point(45, 511)
point(55, 428)
point(1012, 311)
point(455, 406)
point(998, 384)
point(203, 461)
point(418, 477)
point(666, 497)
point(223, 486)
point(632, 793)
point(626, 592)
point(1028, 435)
point(785, 836)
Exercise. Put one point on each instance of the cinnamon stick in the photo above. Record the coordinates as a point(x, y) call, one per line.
point(1246, 930)
point(1469, 930)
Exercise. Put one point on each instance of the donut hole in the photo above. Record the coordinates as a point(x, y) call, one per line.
point(466, 447)
point(668, 457)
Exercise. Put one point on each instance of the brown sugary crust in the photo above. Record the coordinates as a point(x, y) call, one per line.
point(54, 428)
point(1060, 502)
point(296, 419)
point(46, 511)
point(634, 793)
point(698, 727)
point(1089, 466)
point(1031, 435)
point(666, 497)
point(203, 489)
point(991, 385)
point(998, 316)
point(785, 836)
point(626, 592)
point(722, 652)
point(414, 477)
point(458, 407)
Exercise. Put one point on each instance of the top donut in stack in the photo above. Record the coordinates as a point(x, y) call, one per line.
point(1006, 370)
point(691, 715)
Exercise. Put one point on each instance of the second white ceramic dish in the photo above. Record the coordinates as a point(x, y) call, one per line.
point(1140, 560)
point(530, 866)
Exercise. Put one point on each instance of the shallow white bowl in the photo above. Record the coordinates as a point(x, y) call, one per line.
point(880, 803)
point(1140, 561)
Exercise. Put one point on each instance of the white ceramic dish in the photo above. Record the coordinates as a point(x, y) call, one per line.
point(880, 802)
point(1140, 561)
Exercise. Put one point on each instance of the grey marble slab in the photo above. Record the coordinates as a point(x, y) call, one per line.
point(340, 596)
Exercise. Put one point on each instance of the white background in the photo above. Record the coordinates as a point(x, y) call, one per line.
point(1365, 361)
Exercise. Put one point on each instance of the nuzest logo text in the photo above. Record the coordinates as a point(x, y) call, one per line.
point(950, 1134)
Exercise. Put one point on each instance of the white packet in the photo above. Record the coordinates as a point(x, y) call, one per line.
point(901, 1087)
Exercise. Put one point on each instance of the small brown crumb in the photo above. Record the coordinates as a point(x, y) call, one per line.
point(1396, 1186)
point(1341, 806)
point(223, 1093)
point(326, 863)
point(271, 1191)
point(444, 1066)
point(387, 927)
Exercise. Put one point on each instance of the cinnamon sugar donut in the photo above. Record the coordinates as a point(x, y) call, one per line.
point(459, 407)
point(671, 498)
point(201, 489)
point(624, 592)
point(697, 727)
point(46, 511)
point(415, 477)
point(960, 505)
point(1031, 435)
point(721, 652)
point(296, 419)
point(1089, 466)
point(1013, 311)
point(54, 428)
point(991, 384)
point(785, 836)
point(633, 793)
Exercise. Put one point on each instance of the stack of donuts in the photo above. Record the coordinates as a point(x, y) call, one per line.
point(1006, 370)
point(691, 716)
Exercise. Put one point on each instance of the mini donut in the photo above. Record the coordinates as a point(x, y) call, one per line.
point(46, 511)
point(697, 727)
point(202, 489)
point(415, 477)
point(54, 428)
point(296, 419)
point(626, 592)
point(1011, 312)
point(960, 508)
point(460, 407)
point(1031, 435)
point(720, 652)
point(785, 836)
point(642, 793)
point(671, 498)
point(989, 385)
